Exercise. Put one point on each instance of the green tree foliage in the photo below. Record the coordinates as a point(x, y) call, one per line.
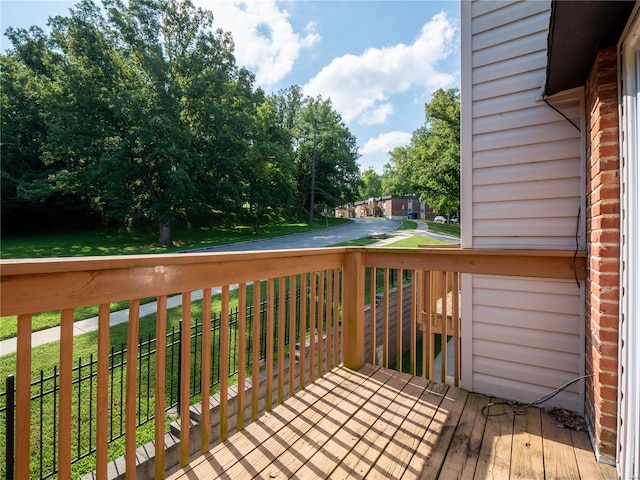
point(136, 113)
point(430, 164)
point(370, 184)
point(434, 163)
point(268, 171)
point(324, 152)
point(395, 180)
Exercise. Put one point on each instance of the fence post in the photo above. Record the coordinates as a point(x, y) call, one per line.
point(353, 309)
point(10, 434)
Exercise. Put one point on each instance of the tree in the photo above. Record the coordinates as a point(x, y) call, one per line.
point(268, 172)
point(325, 157)
point(433, 162)
point(395, 178)
point(371, 184)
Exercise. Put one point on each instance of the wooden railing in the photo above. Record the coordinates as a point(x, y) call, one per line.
point(331, 319)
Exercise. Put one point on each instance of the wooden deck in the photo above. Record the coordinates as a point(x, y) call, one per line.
point(376, 423)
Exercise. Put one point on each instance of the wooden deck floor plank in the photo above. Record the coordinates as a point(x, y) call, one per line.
point(277, 445)
point(430, 454)
point(362, 444)
point(376, 423)
point(495, 453)
point(331, 389)
point(406, 441)
point(588, 466)
point(313, 443)
point(332, 453)
point(462, 456)
point(526, 457)
point(557, 448)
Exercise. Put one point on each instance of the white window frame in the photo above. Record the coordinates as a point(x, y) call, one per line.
point(628, 455)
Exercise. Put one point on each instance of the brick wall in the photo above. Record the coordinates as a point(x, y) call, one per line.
point(603, 250)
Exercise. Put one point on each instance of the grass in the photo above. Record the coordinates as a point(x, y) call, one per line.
point(414, 241)
point(111, 242)
point(452, 229)
point(408, 225)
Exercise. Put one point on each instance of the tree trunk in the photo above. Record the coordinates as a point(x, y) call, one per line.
point(164, 239)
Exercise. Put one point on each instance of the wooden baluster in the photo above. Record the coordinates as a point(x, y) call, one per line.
point(303, 330)
point(270, 333)
point(255, 367)
point(385, 320)
point(292, 333)
point(443, 327)
point(399, 309)
point(242, 352)
point(420, 315)
point(102, 396)
point(433, 319)
point(224, 364)
point(185, 377)
point(160, 383)
point(427, 336)
point(336, 315)
point(455, 316)
point(313, 298)
point(413, 322)
point(131, 389)
point(66, 367)
point(373, 313)
point(281, 337)
point(205, 370)
point(328, 321)
point(320, 309)
point(23, 395)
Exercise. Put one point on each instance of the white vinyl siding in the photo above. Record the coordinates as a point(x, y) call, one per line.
point(522, 187)
point(526, 338)
point(525, 155)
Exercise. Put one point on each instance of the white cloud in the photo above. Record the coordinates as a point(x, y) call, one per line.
point(265, 40)
point(375, 153)
point(360, 86)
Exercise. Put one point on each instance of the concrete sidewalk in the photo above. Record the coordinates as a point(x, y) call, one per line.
point(91, 324)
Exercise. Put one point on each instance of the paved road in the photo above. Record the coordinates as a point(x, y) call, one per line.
point(358, 228)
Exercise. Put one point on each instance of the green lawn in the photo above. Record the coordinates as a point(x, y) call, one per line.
point(414, 241)
point(408, 225)
point(114, 242)
point(452, 229)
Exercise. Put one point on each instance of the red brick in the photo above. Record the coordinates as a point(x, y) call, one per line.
point(605, 236)
point(609, 365)
point(608, 350)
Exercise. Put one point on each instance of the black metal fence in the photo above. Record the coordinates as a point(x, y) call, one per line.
point(45, 390)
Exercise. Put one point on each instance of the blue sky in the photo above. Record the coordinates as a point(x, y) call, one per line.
point(379, 61)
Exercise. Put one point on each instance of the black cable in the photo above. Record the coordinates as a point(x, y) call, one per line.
point(565, 117)
point(520, 408)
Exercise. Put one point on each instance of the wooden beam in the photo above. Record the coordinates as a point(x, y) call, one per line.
point(353, 311)
point(522, 263)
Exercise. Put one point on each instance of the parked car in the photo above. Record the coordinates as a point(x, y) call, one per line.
point(453, 220)
point(440, 219)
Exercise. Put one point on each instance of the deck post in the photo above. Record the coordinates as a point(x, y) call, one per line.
point(353, 310)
